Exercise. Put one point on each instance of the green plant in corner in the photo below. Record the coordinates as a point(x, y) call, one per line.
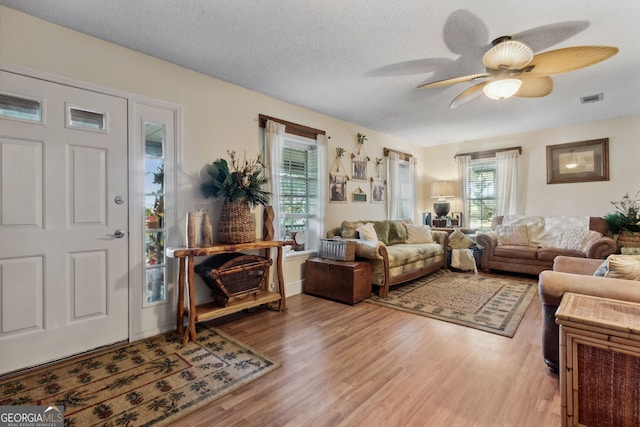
point(626, 216)
point(244, 181)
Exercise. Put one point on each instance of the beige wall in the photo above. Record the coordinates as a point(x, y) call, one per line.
point(218, 115)
point(540, 198)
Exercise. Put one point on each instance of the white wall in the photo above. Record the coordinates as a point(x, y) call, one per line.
point(540, 198)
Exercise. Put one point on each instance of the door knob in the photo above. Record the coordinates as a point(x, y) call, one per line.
point(118, 234)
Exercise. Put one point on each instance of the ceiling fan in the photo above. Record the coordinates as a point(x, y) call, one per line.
point(513, 70)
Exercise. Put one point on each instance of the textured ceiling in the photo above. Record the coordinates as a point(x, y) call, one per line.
point(361, 60)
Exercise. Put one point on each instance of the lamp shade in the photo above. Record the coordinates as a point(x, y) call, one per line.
point(442, 189)
point(502, 89)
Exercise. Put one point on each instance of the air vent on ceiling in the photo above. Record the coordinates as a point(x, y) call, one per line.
point(591, 98)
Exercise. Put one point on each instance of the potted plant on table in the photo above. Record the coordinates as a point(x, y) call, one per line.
point(241, 187)
point(625, 221)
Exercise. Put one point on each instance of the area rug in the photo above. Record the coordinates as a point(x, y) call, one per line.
point(485, 303)
point(149, 382)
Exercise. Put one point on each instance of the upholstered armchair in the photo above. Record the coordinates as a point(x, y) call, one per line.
point(576, 275)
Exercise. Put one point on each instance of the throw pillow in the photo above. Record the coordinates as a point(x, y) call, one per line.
point(514, 234)
point(397, 232)
point(367, 232)
point(418, 233)
point(457, 240)
point(382, 230)
point(349, 229)
point(624, 267)
point(602, 270)
point(577, 239)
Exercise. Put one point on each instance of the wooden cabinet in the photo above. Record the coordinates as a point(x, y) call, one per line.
point(599, 361)
point(346, 281)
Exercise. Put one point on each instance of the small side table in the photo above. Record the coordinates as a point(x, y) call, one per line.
point(346, 281)
point(599, 361)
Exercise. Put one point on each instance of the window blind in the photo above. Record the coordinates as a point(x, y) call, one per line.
point(299, 186)
point(481, 193)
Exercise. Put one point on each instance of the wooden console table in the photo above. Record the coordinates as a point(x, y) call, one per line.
point(200, 313)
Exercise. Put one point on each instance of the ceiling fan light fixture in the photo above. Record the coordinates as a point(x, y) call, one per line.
point(502, 89)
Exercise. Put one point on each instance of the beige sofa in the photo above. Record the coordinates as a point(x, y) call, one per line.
point(542, 239)
point(575, 275)
point(395, 258)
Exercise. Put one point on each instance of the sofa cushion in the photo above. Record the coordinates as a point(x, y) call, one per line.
point(623, 267)
point(457, 240)
point(367, 232)
point(406, 253)
point(512, 234)
point(577, 239)
point(418, 233)
point(549, 254)
point(512, 251)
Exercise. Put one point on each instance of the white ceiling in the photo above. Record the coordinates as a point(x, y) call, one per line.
point(361, 60)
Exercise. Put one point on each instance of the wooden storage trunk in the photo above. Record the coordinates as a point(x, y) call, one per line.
point(346, 281)
point(234, 274)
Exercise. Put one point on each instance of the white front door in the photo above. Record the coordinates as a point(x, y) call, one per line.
point(63, 221)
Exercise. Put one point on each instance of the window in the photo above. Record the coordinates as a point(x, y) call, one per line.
point(481, 193)
point(20, 108)
point(154, 194)
point(489, 184)
point(401, 185)
point(295, 156)
point(299, 187)
point(80, 118)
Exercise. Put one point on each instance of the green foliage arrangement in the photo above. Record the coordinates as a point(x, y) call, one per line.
point(243, 181)
point(626, 216)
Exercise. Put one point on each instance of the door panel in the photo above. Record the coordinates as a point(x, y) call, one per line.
point(63, 272)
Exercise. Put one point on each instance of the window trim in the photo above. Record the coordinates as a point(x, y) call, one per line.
point(292, 128)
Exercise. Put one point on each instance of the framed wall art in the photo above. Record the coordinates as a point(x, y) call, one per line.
point(359, 196)
point(581, 161)
point(377, 190)
point(338, 187)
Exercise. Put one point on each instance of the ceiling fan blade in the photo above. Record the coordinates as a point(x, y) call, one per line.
point(467, 96)
point(454, 80)
point(569, 59)
point(508, 55)
point(535, 87)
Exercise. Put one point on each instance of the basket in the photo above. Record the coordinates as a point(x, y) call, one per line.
point(236, 225)
point(629, 239)
point(233, 274)
point(339, 250)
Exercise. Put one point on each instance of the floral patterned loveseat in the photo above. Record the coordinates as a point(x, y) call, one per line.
point(402, 252)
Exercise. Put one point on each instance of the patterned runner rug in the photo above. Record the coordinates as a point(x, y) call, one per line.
point(149, 382)
point(485, 303)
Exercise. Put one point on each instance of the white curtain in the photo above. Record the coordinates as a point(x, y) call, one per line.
point(393, 184)
point(322, 185)
point(402, 188)
point(413, 191)
point(507, 182)
point(464, 165)
point(274, 146)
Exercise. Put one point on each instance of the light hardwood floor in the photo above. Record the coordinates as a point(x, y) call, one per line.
point(367, 365)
